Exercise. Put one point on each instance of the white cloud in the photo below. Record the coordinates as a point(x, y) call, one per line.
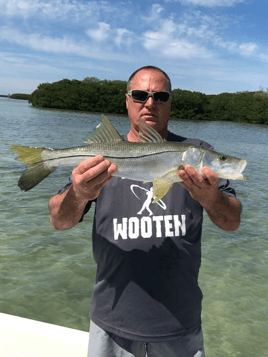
point(123, 37)
point(61, 25)
point(64, 45)
point(168, 42)
point(204, 29)
point(71, 10)
point(247, 48)
point(185, 49)
point(166, 29)
point(14, 8)
point(39, 42)
point(119, 36)
point(100, 34)
point(264, 57)
point(212, 3)
point(155, 12)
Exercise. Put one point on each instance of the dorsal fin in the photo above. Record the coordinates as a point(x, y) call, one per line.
point(104, 132)
point(147, 133)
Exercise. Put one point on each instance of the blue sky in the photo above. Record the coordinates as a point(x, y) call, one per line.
point(210, 46)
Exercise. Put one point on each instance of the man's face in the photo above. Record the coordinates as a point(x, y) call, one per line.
point(155, 114)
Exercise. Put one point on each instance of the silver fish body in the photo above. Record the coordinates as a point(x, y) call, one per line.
point(152, 159)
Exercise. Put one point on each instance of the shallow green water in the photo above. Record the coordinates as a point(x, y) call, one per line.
point(48, 276)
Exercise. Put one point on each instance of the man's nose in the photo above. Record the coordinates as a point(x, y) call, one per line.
point(150, 102)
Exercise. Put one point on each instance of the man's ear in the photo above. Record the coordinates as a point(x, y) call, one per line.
point(127, 99)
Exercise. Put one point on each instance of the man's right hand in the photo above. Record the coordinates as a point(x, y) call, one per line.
point(90, 176)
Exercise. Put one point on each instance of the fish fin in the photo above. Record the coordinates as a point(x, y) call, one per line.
point(33, 175)
point(104, 132)
point(161, 188)
point(172, 175)
point(37, 170)
point(27, 154)
point(242, 178)
point(148, 134)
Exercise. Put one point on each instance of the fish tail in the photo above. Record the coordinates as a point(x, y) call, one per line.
point(37, 169)
point(33, 175)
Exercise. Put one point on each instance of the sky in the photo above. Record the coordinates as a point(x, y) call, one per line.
point(208, 46)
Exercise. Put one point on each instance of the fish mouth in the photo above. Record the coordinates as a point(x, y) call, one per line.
point(238, 172)
point(242, 166)
point(234, 171)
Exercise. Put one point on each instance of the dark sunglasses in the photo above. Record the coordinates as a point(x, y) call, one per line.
point(142, 95)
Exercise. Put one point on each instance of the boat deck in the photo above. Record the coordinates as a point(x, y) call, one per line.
point(20, 337)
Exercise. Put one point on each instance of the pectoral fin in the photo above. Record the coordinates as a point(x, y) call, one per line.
point(164, 184)
point(161, 188)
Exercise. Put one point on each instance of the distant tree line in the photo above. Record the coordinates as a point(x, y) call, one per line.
point(94, 95)
point(20, 96)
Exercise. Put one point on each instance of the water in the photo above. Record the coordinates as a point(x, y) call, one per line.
point(48, 275)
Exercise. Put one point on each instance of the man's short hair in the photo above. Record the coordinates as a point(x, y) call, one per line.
point(150, 68)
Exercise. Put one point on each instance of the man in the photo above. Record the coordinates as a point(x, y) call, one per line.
point(146, 299)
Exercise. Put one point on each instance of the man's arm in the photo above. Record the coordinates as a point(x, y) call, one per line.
point(88, 178)
point(223, 210)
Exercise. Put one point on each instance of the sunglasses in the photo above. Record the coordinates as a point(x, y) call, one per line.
point(142, 95)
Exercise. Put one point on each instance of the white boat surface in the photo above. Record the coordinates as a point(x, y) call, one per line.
point(21, 337)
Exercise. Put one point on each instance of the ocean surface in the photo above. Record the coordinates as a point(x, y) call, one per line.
point(48, 275)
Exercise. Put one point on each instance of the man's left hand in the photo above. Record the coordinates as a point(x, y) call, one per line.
point(223, 210)
point(203, 188)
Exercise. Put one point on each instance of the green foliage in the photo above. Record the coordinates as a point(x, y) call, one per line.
point(188, 105)
point(246, 107)
point(20, 96)
point(91, 95)
point(105, 96)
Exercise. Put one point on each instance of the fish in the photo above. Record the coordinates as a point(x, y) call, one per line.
point(150, 159)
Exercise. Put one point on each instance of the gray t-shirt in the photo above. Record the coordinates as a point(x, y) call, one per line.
point(148, 257)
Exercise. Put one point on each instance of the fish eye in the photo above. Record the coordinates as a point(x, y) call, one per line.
point(223, 158)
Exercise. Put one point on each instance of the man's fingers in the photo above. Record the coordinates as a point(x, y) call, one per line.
point(98, 175)
point(97, 171)
point(96, 167)
point(210, 175)
point(99, 185)
point(91, 175)
point(190, 175)
point(87, 164)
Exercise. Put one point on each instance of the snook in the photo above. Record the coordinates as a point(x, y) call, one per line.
point(150, 159)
